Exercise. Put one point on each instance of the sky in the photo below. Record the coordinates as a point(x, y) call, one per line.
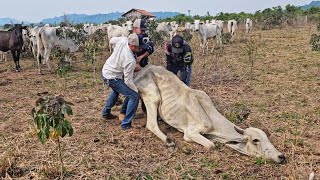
point(36, 10)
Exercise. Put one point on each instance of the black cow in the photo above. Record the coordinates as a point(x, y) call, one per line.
point(12, 40)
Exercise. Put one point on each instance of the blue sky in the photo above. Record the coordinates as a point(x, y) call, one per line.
point(36, 10)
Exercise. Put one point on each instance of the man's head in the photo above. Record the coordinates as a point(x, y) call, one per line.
point(140, 26)
point(177, 44)
point(135, 42)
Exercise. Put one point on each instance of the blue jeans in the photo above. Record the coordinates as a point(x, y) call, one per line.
point(185, 72)
point(132, 99)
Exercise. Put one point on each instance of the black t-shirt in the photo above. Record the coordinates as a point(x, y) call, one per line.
point(149, 48)
point(184, 58)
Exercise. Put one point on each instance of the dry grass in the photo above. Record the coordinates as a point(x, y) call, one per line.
point(282, 93)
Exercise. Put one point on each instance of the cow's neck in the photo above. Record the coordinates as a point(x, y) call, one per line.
point(223, 130)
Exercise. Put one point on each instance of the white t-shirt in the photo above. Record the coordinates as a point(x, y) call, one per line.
point(121, 63)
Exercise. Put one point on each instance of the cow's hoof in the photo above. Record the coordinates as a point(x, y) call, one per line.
point(17, 70)
point(170, 143)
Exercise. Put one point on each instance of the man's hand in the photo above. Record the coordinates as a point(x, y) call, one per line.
point(139, 59)
point(137, 68)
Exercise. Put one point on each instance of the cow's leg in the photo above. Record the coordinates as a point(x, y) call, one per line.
point(198, 138)
point(152, 123)
point(14, 57)
point(204, 45)
point(151, 100)
point(47, 52)
point(18, 58)
point(212, 46)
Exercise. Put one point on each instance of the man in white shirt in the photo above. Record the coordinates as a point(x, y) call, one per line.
point(118, 72)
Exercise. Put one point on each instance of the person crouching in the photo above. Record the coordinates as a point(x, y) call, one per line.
point(118, 72)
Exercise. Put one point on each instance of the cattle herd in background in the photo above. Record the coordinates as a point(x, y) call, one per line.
point(41, 40)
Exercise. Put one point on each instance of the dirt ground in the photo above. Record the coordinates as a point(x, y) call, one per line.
point(282, 91)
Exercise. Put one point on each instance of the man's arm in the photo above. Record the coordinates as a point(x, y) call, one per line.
point(149, 51)
point(128, 75)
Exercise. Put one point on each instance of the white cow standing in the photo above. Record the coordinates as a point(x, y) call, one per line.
point(25, 37)
point(219, 23)
point(48, 38)
point(118, 31)
point(190, 26)
point(192, 112)
point(33, 40)
point(164, 28)
point(3, 56)
point(207, 32)
point(232, 28)
point(248, 25)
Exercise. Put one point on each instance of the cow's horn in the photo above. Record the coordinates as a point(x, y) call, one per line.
point(11, 22)
point(240, 131)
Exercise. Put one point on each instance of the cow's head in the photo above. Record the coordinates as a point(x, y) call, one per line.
point(17, 29)
point(256, 143)
point(197, 24)
point(129, 25)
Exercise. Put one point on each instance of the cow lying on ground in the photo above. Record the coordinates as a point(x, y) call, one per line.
point(193, 113)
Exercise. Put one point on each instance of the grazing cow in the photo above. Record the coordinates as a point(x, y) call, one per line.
point(48, 38)
point(248, 25)
point(12, 40)
point(116, 31)
point(192, 112)
point(164, 29)
point(207, 31)
point(232, 28)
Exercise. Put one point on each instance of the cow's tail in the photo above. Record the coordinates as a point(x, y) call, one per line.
point(40, 45)
point(232, 27)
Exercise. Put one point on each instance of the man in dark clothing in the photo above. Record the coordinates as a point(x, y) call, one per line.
point(140, 27)
point(179, 58)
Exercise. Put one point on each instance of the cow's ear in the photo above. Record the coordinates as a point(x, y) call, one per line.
point(237, 141)
point(24, 27)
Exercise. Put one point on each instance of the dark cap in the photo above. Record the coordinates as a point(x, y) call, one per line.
point(177, 44)
point(140, 23)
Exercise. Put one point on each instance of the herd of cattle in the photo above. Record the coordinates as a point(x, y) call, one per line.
point(41, 40)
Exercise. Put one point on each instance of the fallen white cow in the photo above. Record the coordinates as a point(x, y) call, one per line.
point(193, 113)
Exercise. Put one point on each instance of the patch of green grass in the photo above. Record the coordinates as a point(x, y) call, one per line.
point(225, 176)
point(208, 163)
point(260, 161)
point(190, 174)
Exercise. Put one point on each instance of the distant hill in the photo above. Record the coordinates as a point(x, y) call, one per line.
point(312, 4)
point(99, 18)
point(8, 21)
